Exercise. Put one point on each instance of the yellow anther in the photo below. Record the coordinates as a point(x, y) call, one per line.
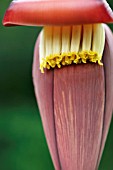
point(58, 65)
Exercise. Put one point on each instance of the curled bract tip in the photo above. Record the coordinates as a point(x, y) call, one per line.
point(57, 12)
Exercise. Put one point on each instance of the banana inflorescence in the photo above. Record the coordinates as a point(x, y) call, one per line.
point(65, 45)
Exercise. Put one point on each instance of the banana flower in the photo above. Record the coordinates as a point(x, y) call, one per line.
point(72, 75)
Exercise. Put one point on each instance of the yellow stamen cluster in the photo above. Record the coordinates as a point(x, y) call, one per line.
point(60, 46)
point(68, 58)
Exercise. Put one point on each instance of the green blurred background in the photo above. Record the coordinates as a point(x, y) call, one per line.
point(22, 142)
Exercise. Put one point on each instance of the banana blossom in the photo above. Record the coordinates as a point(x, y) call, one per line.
point(72, 75)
